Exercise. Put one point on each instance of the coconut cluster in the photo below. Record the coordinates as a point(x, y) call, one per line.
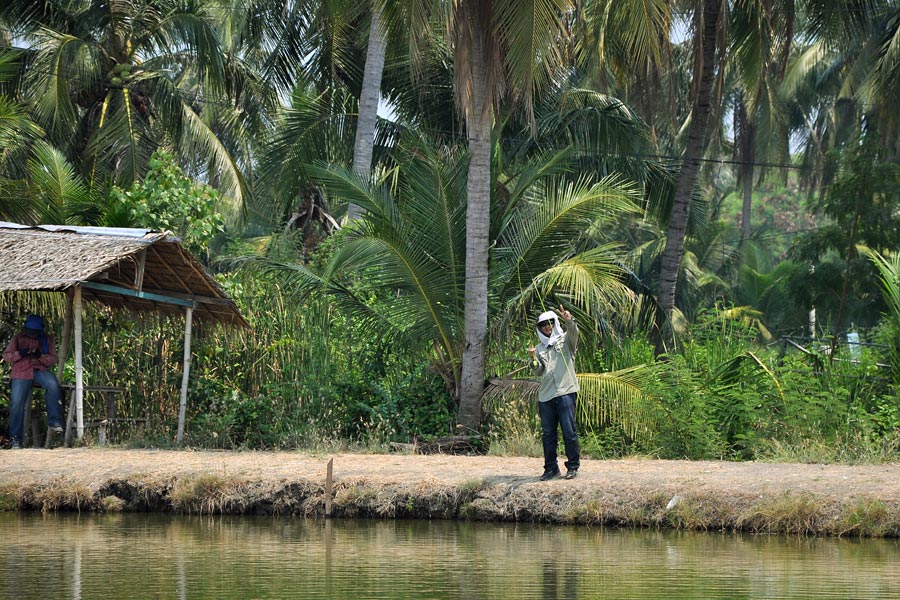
point(120, 72)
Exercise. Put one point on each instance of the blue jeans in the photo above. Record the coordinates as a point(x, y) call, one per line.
point(19, 389)
point(556, 413)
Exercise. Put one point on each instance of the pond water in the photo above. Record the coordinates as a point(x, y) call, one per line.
point(165, 556)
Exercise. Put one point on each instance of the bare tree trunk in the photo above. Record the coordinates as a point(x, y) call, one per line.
point(696, 143)
point(369, 96)
point(478, 194)
point(851, 252)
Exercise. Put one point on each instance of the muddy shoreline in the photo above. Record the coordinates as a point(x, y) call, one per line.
point(798, 499)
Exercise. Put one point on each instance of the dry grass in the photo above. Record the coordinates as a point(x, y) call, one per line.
point(801, 514)
point(60, 494)
point(756, 497)
point(112, 504)
point(869, 518)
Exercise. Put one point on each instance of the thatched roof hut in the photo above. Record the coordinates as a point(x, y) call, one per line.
point(136, 269)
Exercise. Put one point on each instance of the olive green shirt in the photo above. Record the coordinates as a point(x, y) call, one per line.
point(556, 364)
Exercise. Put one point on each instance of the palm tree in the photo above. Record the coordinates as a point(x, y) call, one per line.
point(706, 54)
point(37, 183)
point(311, 51)
point(313, 127)
point(501, 48)
point(111, 82)
point(409, 250)
point(369, 97)
point(760, 39)
point(843, 81)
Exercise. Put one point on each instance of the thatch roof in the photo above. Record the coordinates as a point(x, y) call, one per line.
point(136, 269)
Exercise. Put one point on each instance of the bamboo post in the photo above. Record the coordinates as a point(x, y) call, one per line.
point(182, 407)
point(79, 367)
point(63, 350)
point(62, 357)
point(329, 487)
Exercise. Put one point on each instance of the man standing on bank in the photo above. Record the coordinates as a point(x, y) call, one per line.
point(554, 359)
point(31, 354)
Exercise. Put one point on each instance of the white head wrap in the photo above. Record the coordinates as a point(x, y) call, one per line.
point(557, 332)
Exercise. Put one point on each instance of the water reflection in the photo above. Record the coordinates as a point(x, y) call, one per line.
point(159, 556)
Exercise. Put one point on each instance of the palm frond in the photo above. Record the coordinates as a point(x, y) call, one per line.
point(615, 398)
point(17, 131)
point(223, 167)
point(593, 281)
point(534, 241)
point(889, 278)
point(187, 25)
point(298, 279)
point(54, 180)
point(530, 32)
point(730, 373)
point(63, 67)
point(121, 143)
point(343, 184)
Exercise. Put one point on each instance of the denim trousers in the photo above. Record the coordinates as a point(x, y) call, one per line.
point(19, 389)
point(559, 413)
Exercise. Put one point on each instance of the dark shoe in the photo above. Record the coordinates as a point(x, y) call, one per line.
point(549, 475)
point(571, 473)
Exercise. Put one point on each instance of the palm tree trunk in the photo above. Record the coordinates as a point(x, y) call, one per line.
point(478, 198)
point(747, 142)
point(368, 101)
point(747, 205)
point(696, 143)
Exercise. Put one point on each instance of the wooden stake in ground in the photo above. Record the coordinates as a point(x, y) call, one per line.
point(329, 482)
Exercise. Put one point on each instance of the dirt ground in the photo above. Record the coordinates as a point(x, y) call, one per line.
point(93, 467)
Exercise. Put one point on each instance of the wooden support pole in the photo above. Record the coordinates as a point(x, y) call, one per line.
point(182, 407)
point(329, 487)
point(63, 350)
point(62, 353)
point(79, 367)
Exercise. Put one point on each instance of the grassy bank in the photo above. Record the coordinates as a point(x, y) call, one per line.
point(827, 500)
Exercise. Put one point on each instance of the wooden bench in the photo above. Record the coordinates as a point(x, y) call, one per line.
point(101, 424)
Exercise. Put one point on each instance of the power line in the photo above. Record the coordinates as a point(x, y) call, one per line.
point(202, 99)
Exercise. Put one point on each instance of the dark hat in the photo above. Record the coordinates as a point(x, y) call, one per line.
point(34, 322)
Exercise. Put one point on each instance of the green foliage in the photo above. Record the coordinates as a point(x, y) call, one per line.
point(889, 279)
point(861, 210)
point(168, 200)
point(360, 341)
point(724, 397)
